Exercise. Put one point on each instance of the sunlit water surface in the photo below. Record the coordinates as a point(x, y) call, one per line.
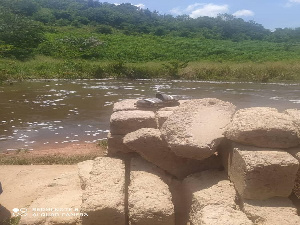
point(55, 113)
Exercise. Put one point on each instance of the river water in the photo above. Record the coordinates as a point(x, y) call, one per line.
point(54, 113)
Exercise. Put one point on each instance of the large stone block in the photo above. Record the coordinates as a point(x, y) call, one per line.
point(274, 211)
point(296, 153)
point(261, 173)
point(195, 129)
point(104, 196)
point(149, 143)
point(84, 169)
point(209, 187)
point(125, 105)
point(211, 199)
point(263, 127)
point(162, 116)
point(149, 197)
point(295, 114)
point(220, 215)
point(115, 144)
point(123, 122)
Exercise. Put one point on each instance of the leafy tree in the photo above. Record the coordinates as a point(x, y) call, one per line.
point(21, 34)
point(45, 16)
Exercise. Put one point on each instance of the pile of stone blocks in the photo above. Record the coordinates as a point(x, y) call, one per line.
point(200, 162)
point(262, 160)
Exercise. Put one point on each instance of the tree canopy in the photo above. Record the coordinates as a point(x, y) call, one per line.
point(22, 23)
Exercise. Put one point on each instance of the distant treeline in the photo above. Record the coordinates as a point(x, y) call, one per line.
point(25, 24)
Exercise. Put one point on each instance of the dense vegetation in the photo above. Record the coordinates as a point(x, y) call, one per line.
point(96, 39)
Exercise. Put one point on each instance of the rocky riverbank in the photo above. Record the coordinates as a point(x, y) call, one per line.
point(200, 162)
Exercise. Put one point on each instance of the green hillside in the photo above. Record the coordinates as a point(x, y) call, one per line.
point(102, 39)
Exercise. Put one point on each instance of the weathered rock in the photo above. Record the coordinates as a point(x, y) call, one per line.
point(162, 116)
point(210, 192)
point(149, 143)
point(295, 114)
point(128, 105)
point(176, 106)
point(263, 127)
point(124, 122)
point(261, 173)
point(195, 129)
point(296, 153)
point(104, 196)
point(115, 144)
point(149, 198)
point(84, 169)
point(209, 187)
point(274, 211)
point(216, 214)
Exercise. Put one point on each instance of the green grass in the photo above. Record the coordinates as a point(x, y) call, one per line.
point(43, 67)
point(82, 53)
point(85, 42)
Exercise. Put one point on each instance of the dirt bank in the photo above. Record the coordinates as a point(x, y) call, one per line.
point(69, 155)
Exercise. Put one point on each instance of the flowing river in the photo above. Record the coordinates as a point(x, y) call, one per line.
point(55, 113)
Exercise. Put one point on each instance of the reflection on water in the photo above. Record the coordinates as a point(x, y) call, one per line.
point(43, 114)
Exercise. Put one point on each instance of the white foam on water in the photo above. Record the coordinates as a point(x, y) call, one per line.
point(295, 101)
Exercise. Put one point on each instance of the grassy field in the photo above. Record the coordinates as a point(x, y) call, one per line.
point(86, 43)
point(45, 67)
point(82, 53)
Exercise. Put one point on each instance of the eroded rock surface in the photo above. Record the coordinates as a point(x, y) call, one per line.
point(115, 144)
point(148, 142)
point(296, 153)
point(123, 122)
point(261, 173)
point(216, 214)
point(195, 129)
point(211, 198)
point(295, 114)
point(263, 127)
point(104, 195)
point(162, 116)
point(125, 105)
point(274, 211)
point(149, 197)
point(84, 169)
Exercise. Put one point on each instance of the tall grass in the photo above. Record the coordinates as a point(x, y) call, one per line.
point(43, 67)
point(288, 71)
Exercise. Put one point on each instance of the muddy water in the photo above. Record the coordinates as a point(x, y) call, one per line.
point(49, 114)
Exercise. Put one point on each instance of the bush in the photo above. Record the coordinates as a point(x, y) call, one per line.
point(104, 29)
point(174, 67)
point(70, 46)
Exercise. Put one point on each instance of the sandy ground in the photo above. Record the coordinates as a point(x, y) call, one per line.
point(24, 186)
